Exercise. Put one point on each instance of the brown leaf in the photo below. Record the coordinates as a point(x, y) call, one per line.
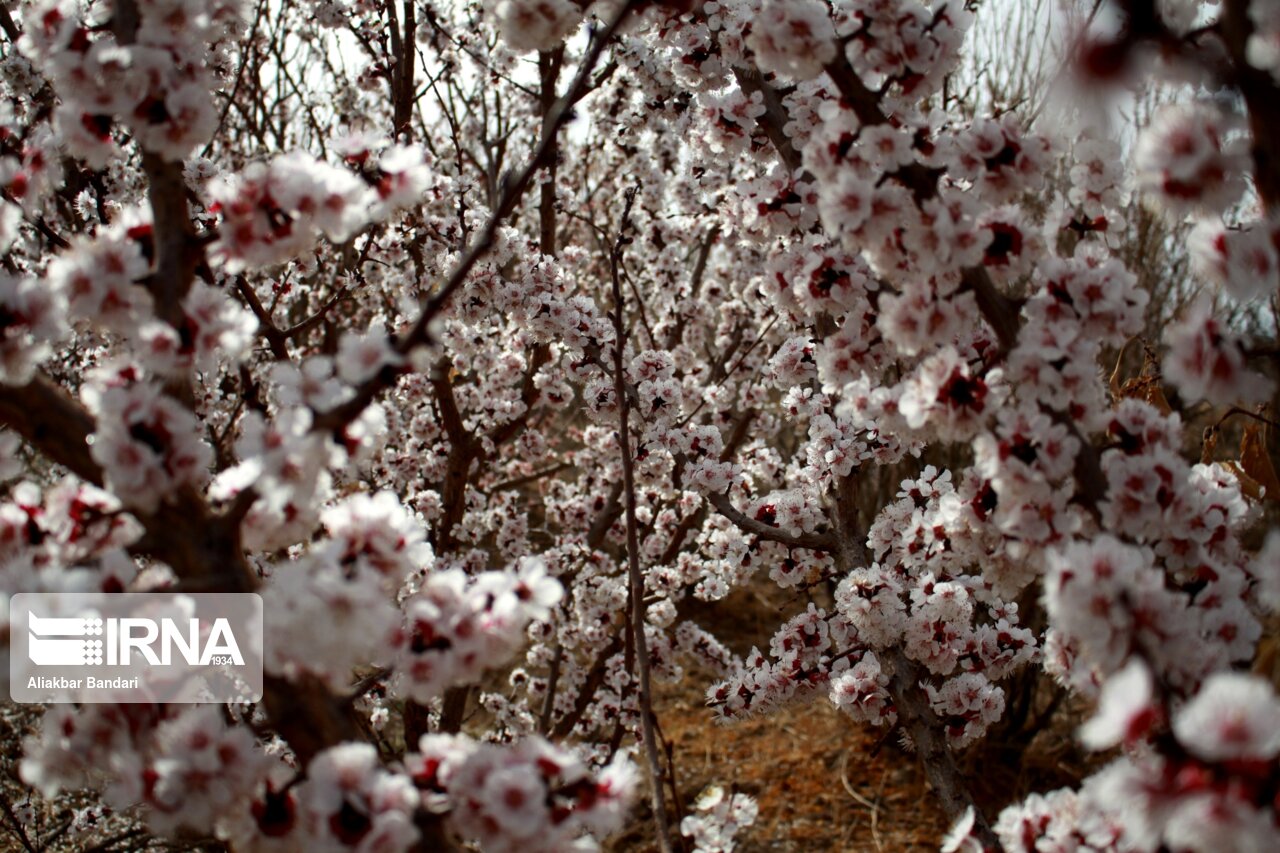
point(1250, 487)
point(1155, 396)
point(1116, 392)
point(1147, 389)
point(1208, 444)
point(1256, 462)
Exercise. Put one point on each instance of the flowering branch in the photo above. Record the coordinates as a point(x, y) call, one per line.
point(636, 590)
point(811, 541)
point(511, 190)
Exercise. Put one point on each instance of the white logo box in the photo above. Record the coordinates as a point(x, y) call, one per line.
point(135, 647)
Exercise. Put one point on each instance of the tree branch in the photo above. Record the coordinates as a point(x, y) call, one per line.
point(935, 755)
point(747, 524)
point(633, 539)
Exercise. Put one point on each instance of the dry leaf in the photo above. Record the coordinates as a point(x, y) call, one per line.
point(1256, 462)
point(1145, 386)
point(1249, 487)
point(1147, 389)
point(1155, 396)
point(1117, 393)
point(1208, 444)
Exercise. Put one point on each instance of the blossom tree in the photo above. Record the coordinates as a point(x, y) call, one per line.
point(496, 344)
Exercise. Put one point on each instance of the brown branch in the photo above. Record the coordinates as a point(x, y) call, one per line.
point(1261, 97)
point(201, 548)
point(177, 249)
point(304, 326)
point(695, 283)
point(775, 118)
point(403, 49)
point(529, 394)
point(645, 696)
point(453, 708)
point(593, 682)
point(747, 524)
point(918, 718)
point(18, 829)
point(1091, 482)
point(7, 23)
point(1001, 312)
point(604, 521)
point(266, 326)
point(553, 682)
point(695, 519)
point(463, 451)
point(915, 713)
point(52, 422)
point(516, 482)
point(854, 93)
point(549, 63)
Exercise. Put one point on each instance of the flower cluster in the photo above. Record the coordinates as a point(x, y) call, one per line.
point(534, 24)
point(860, 692)
point(349, 801)
point(1196, 778)
point(456, 627)
point(1192, 157)
point(148, 444)
point(190, 768)
point(32, 319)
point(363, 350)
point(1107, 601)
point(151, 75)
point(271, 212)
point(1243, 261)
point(718, 820)
point(529, 796)
point(793, 38)
point(1206, 362)
point(98, 276)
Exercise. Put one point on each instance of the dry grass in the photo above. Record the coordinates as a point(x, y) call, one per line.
point(822, 782)
point(819, 779)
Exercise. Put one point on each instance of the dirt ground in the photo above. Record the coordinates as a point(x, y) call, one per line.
point(819, 779)
point(822, 782)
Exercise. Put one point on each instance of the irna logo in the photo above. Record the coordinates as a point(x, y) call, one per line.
point(94, 641)
point(152, 647)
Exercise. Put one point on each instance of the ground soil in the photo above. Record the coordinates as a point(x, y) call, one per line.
point(822, 782)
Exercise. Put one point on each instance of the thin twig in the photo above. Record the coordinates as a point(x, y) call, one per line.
point(633, 540)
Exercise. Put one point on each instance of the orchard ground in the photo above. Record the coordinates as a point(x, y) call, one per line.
point(822, 781)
